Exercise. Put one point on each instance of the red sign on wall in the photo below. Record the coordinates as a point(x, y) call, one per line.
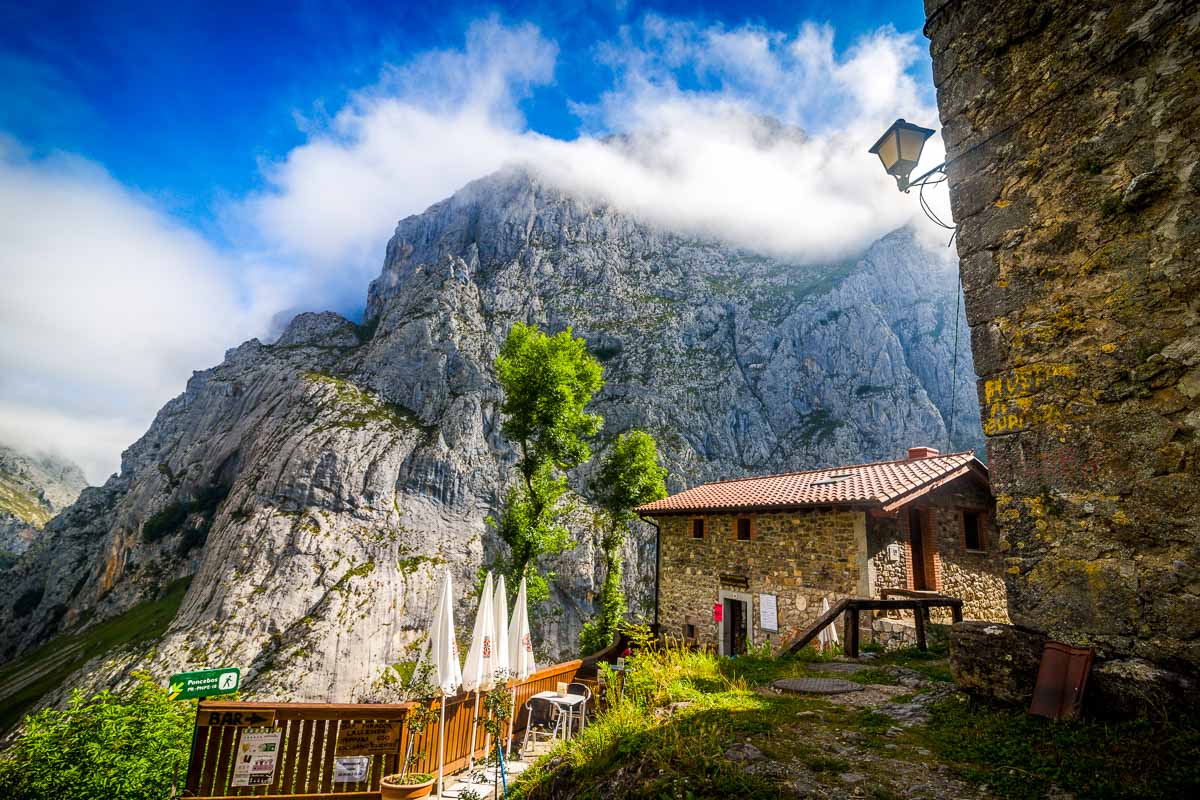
point(717, 612)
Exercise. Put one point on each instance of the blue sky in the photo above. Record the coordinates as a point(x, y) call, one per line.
point(182, 99)
point(178, 177)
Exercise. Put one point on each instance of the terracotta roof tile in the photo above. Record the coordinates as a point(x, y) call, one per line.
point(873, 484)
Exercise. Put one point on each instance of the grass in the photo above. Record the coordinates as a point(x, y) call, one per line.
point(141, 623)
point(1020, 756)
point(637, 749)
point(354, 408)
point(15, 499)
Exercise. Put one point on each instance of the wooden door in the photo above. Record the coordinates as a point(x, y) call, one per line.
point(916, 539)
point(735, 627)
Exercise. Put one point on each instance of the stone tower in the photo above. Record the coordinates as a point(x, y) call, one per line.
point(1073, 135)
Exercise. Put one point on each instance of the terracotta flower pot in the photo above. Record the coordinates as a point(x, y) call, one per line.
point(390, 787)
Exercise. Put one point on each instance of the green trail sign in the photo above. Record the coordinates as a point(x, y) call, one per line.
point(205, 683)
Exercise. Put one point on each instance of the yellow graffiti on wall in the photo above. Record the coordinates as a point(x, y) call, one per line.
point(1011, 399)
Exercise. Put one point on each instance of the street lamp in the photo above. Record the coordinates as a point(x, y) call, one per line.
point(900, 149)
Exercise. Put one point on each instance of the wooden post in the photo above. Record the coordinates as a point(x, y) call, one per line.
point(919, 618)
point(852, 631)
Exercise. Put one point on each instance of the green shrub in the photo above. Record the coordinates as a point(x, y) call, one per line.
point(124, 745)
point(165, 522)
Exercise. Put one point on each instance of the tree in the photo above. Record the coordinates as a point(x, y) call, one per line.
point(629, 477)
point(125, 744)
point(547, 382)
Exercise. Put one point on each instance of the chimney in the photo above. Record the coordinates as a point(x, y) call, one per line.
point(921, 452)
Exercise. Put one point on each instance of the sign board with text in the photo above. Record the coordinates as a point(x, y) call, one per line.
point(254, 761)
point(238, 719)
point(352, 769)
point(368, 738)
point(205, 683)
point(768, 613)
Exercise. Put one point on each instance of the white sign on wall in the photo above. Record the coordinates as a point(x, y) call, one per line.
point(256, 757)
point(768, 613)
point(351, 769)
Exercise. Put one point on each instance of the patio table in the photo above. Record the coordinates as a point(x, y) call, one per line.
point(567, 705)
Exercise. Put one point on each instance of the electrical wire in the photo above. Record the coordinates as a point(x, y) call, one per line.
point(954, 369)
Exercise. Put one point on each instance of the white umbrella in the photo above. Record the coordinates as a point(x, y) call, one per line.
point(443, 653)
point(521, 663)
point(478, 674)
point(500, 609)
point(828, 637)
point(500, 657)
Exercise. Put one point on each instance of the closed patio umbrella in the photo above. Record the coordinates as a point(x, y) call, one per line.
point(479, 671)
point(500, 609)
point(828, 637)
point(521, 663)
point(443, 654)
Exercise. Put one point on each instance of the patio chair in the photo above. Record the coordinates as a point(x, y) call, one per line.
point(542, 720)
point(579, 712)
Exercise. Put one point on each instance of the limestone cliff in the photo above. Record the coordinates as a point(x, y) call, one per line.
point(314, 485)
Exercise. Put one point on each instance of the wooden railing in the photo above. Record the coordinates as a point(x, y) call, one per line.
point(851, 606)
point(308, 744)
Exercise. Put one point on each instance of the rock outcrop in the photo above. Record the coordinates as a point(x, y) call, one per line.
point(315, 485)
point(32, 490)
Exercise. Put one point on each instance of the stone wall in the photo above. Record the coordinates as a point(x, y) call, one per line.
point(976, 576)
point(1072, 135)
point(801, 557)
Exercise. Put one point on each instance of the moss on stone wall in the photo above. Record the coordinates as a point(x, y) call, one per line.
point(1074, 178)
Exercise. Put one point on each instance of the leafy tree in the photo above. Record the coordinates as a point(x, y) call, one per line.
point(629, 477)
point(547, 382)
point(113, 744)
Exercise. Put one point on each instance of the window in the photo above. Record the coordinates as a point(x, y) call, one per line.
point(973, 530)
point(698, 527)
point(689, 631)
point(743, 529)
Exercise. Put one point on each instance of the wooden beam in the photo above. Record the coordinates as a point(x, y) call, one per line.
point(811, 631)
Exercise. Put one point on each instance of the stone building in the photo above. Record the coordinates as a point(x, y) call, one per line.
point(766, 551)
point(1074, 174)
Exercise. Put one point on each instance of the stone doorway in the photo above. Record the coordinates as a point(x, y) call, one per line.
point(735, 623)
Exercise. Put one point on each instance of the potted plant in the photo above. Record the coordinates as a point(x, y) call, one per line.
point(496, 712)
point(408, 783)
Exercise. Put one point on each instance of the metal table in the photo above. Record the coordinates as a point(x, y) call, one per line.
point(568, 706)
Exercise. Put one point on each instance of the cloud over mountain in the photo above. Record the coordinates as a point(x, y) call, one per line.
point(110, 302)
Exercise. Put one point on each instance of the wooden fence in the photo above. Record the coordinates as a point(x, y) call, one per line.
point(304, 765)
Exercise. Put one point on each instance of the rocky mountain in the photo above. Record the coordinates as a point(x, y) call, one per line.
point(33, 488)
point(314, 486)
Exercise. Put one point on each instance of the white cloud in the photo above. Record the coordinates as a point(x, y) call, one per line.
point(699, 159)
point(109, 303)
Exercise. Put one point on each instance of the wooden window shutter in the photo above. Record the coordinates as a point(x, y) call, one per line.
point(753, 527)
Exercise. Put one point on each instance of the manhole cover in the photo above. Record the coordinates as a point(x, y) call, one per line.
point(817, 685)
point(838, 666)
